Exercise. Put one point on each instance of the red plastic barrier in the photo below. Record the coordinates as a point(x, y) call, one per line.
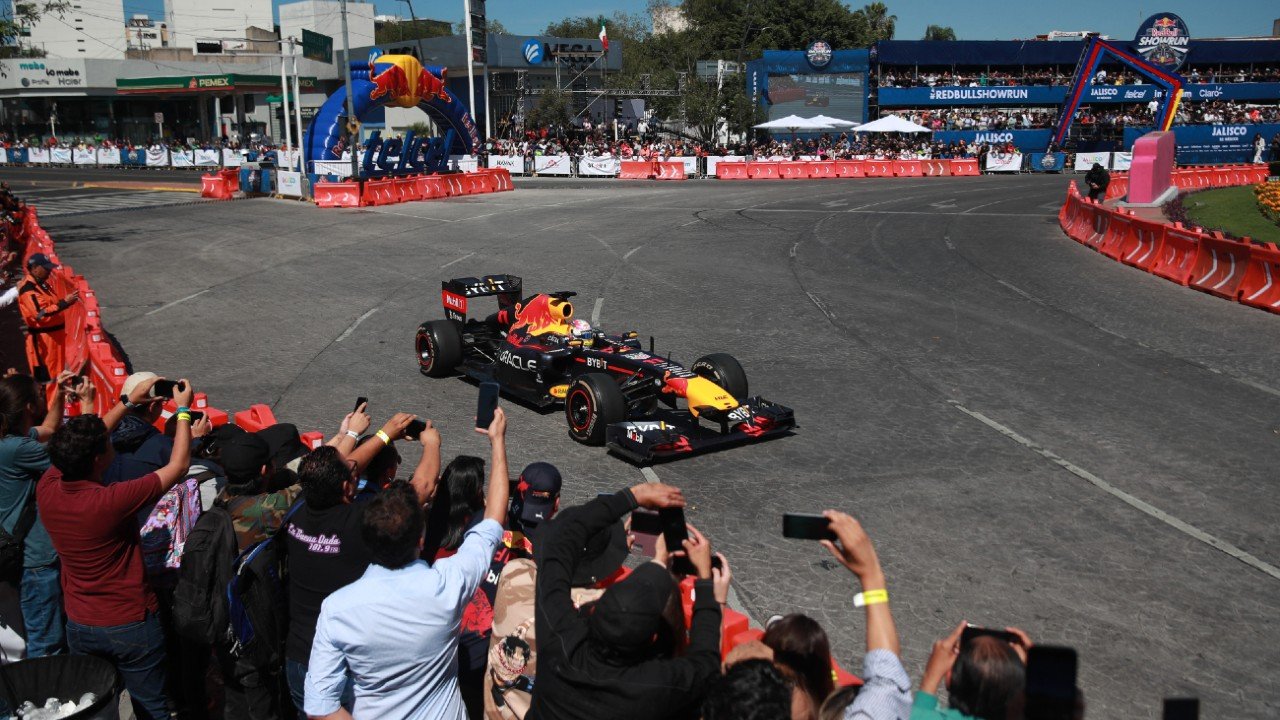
point(731, 171)
point(430, 186)
point(1220, 267)
point(851, 168)
point(452, 185)
point(1118, 188)
point(635, 170)
point(214, 186)
point(907, 168)
point(792, 170)
point(936, 168)
point(1141, 246)
point(762, 171)
point(232, 178)
point(1100, 222)
point(879, 168)
point(256, 418)
point(965, 167)
point(339, 194)
point(669, 171)
point(1222, 177)
point(406, 189)
point(1178, 254)
point(822, 169)
point(1261, 285)
point(313, 439)
point(501, 179)
point(1112, 243)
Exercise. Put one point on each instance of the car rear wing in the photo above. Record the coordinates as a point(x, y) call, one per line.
point(455, 293)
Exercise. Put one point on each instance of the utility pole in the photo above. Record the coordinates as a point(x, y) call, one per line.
point(351, 107)
point(284, 106)
point(471, 58)
point(297, 108)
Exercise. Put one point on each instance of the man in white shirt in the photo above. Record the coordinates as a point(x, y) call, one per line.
point(395, 630)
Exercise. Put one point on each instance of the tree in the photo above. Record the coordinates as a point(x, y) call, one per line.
point(16, 23)
point(551, 111)
point(879, 21)
point(492, 26)
point(939, 32)
point(405, 30)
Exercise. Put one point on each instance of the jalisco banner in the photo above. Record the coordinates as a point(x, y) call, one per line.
point(1054, 95)
point(1210, 144)
point(1086, 160)
point(1024, 140)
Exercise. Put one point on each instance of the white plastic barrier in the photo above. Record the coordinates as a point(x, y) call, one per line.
point(553, 165)
point(60, 156)
point(600, 166)
point(513, 164)
point(206, 158)
point(1121, 160)
point(108, 156)
point(1085, 161)
point(464, 163)
point(157, 157)
point(84, 157)
point(1004, 162)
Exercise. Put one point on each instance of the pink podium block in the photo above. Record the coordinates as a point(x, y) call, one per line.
point(1151, 174)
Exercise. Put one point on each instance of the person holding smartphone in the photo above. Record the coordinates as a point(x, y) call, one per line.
point(615, 660)
point(985, 671)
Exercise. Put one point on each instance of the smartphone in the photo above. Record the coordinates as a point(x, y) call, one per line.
point(675, 531)
point(802, 526)
point(165, 388)
point(414, 429)
point(1181, 709)
point(486, 404)
point(974, 631)
point(646, 526)
point(1051, 682)
point(362, 400)
point(196, 416)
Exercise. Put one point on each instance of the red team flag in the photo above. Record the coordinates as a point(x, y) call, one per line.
point(604, 38)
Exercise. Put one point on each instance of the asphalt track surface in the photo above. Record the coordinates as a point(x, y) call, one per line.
point(1033, 434)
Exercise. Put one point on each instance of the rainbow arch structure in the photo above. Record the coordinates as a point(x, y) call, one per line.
point(388, 80)
point(1094, 53)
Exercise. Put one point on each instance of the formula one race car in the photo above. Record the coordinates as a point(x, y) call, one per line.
point(638, 404)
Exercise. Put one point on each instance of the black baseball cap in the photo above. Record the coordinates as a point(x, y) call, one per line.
point(41, 260)
point(539, 490)
point(243, 456)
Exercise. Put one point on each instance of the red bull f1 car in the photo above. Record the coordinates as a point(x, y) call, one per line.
point(637, 403)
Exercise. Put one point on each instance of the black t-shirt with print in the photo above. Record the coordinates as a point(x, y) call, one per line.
point(325, 552)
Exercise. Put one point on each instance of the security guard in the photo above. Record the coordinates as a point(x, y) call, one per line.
point(41, 311)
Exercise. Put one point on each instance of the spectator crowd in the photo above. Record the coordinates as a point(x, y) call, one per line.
point(229, 573)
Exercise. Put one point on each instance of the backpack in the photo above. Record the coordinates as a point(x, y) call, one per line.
point(256, 604)
point(199, 598)
point(165, 533)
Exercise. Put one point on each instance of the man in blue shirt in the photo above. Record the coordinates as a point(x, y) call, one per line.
point(396, 629)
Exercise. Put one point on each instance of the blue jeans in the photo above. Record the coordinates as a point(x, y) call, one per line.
point(137, 649)
point(296, 673)
point(41, 598)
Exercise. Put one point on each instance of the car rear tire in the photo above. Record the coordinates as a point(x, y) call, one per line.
point(591, 405)
point(724, 370)
point(439, 346)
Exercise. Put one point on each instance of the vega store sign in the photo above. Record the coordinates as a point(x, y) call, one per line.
point(44, 74)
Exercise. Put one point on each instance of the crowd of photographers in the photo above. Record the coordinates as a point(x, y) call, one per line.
point(152, 539)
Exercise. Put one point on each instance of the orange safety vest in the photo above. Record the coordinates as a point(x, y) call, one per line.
point(42, 312)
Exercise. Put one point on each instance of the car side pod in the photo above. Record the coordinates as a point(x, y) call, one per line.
point(646, 440)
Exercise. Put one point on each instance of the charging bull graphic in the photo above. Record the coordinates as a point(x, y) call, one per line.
point(395, 81)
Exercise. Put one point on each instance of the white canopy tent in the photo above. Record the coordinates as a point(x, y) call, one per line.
point(834, 122)
point(794, 123)
point(892, 123)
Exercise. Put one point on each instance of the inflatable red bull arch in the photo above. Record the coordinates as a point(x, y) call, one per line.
point(396, 81)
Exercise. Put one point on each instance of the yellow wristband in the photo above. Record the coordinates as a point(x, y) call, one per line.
point(184, 416)
point(870, 597)
point(385, 438)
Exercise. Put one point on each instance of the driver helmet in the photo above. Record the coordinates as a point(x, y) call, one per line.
point(581, 330)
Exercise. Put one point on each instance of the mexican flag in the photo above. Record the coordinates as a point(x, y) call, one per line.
point(604, 37)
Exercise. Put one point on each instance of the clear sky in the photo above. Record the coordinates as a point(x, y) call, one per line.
point(972, 20)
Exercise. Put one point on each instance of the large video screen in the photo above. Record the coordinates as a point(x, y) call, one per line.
point(837, 95)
